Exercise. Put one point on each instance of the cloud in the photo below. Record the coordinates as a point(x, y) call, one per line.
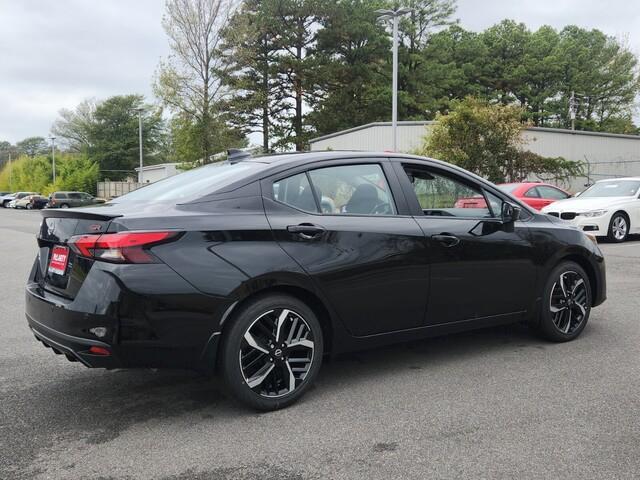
point(54, 54)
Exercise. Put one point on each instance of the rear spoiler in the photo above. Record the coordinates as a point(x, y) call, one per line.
point(64, 213)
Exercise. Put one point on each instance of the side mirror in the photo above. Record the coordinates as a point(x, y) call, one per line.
point(510, 213)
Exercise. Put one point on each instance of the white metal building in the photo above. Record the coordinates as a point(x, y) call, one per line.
point(153, 173)
point(606, 154)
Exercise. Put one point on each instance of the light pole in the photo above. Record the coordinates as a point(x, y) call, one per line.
point(53, 156)
point(394, 16)
point(140, 176)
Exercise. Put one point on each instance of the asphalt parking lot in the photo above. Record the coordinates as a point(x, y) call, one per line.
point(498, 403)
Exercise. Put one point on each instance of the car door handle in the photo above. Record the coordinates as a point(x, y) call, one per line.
point(446, 240)
point(307, 231)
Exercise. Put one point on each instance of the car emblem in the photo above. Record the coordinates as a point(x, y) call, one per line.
point(277, 352)
point(95, 228)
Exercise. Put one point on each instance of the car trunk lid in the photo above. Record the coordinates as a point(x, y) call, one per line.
point(61, 271)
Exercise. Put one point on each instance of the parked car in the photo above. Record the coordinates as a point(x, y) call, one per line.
point(241, 267)
point(5, 198)
point(72, 199)
point(534, 194)
point(10, 200)
point(608, 208)
point(31, 202)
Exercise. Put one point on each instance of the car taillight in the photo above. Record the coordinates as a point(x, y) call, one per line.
point(122, 247)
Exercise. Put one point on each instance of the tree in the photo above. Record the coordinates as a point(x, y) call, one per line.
point(426, 17)
point(32, 146)
point(485, 139)
point(604, 75)
point(353, 82)
point(250, 69)
point(113, 137)
point(74, 126)
point(187, 82)
point(297, 24)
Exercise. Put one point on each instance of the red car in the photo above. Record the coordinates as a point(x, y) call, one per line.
point(535, 194)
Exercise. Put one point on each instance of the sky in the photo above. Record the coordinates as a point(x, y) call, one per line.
point(55, 53)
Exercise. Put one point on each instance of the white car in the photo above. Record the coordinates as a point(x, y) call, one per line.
point(609, 208)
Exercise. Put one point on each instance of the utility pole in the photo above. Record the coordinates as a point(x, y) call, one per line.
point(573, 107)
point(53, 156)
point(140, 175)
point(394, 16)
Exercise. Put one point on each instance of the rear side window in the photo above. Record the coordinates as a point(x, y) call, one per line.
point(532, 193)
point(353, 190)
point(60, 195)
point(553, 193)
point(296, 192)
point(75, 195)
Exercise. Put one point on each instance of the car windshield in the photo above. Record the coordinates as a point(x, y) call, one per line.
point(621, 188)
point(508, 187)
point(192, 183)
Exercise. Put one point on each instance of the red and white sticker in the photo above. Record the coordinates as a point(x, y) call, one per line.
point(59, 260)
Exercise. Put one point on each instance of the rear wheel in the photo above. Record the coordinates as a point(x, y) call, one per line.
point(566, 303)
point(618, 227)
point(272, 352)
point(64, 205)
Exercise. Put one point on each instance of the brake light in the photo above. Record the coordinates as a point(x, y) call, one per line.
point(122, 247)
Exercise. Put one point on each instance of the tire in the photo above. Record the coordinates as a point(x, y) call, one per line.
point(269, 366)
point(618, 227)
point(64, 205)
point(4, 204)
point(566, 305)
point(29, 206)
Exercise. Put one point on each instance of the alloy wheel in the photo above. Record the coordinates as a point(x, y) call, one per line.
point(619, 227)
point(276, 353)
point(569, 302)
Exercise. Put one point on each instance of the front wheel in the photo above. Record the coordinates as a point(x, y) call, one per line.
point(618, 227)
point(272, 353)
point(566, 303)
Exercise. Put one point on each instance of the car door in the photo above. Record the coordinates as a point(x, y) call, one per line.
point(532, 198)
point(480, 268)
point(346, 229)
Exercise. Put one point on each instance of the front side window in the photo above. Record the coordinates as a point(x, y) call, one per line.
point(445, 196)
point(296, 192)
point(353, 190)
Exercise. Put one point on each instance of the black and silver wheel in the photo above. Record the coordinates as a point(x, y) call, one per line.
point(272, 353)
point(567, 303)
point(64, 205)
point(618, 227)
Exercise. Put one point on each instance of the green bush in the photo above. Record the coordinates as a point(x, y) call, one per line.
point(34, 174)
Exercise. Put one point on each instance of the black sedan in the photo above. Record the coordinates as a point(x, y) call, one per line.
point(258, 268)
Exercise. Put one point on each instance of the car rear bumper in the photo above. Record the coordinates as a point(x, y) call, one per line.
point(51, 323)
point(175, 328)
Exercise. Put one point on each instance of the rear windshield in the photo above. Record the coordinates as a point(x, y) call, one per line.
point(620, 188)
point(192, 183)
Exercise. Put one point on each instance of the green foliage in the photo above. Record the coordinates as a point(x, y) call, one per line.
point(32, 146)
point(485, 138)
point(34, 174)
point(354, 81)
point(113, 136)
